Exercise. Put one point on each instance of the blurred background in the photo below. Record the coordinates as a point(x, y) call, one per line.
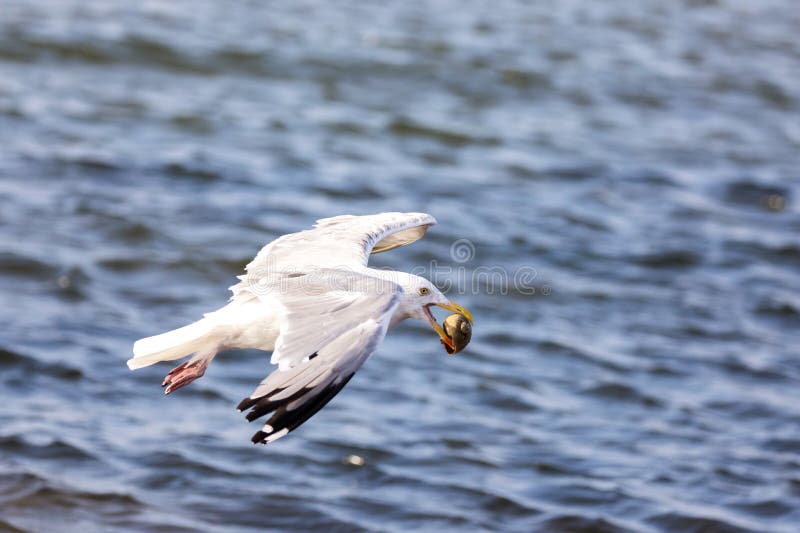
point(641, 157)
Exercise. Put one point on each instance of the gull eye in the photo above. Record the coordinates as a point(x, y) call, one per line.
point(424, 290)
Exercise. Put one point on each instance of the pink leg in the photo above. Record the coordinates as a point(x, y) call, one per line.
point(185, 373)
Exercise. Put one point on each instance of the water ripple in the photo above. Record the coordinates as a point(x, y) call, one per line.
point(644, 379)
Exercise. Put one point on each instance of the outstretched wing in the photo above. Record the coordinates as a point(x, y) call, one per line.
point(340, 242)
point(330, 323)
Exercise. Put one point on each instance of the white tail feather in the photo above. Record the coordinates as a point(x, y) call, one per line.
point(174, 344)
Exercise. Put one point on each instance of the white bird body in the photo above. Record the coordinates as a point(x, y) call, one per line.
point(310, 299)
point(247, 325)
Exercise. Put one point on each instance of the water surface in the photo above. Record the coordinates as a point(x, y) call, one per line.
point(642, 158)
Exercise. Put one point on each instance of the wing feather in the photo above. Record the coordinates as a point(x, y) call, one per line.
point(342, 242)
point(320, 349)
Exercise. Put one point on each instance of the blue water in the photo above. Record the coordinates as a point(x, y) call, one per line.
point(638, 160)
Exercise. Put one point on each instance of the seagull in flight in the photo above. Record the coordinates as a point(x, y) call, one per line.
point(311, 300)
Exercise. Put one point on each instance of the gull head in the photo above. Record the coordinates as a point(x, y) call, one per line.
point(419, 295)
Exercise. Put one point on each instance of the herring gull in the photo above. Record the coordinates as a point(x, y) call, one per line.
point(310, 299)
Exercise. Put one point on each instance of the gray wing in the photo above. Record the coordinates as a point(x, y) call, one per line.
point(340, 242)
point(329, 327)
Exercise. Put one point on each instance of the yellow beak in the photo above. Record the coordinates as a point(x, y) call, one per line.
point(455, 308)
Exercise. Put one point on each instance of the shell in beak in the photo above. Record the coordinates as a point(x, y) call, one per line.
point(457, 330)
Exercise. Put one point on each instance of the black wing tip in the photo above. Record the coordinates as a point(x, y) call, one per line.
point(266, 404)
point(246, 404)
point(284, 420)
